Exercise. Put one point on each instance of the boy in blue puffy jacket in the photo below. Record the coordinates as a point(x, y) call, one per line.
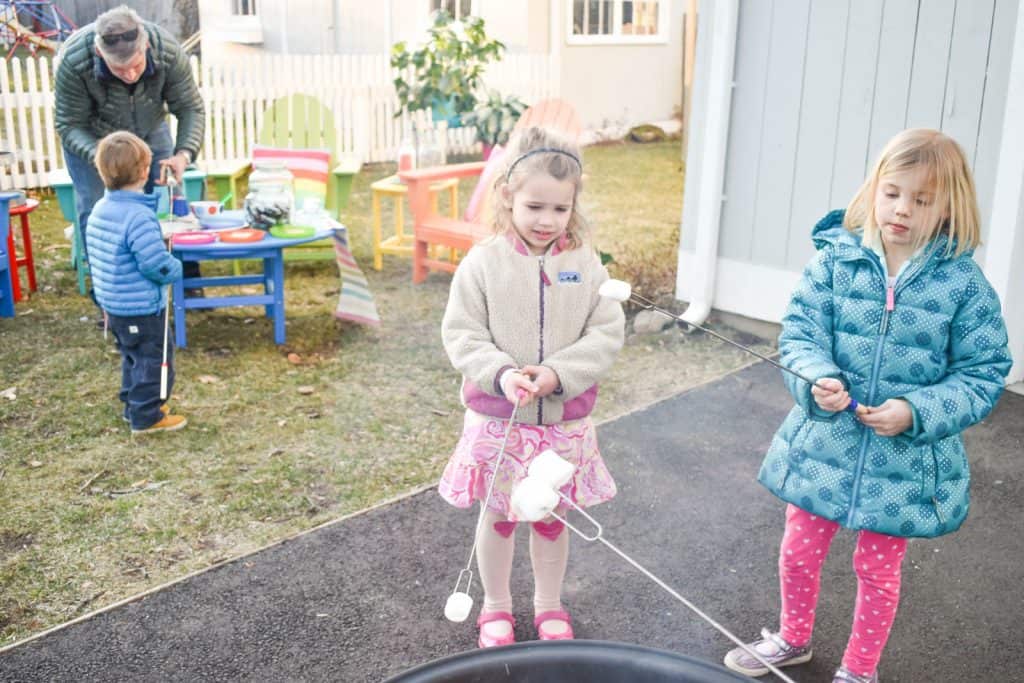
point(130, 269)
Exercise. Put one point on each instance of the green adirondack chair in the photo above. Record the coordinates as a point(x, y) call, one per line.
point(303, 122)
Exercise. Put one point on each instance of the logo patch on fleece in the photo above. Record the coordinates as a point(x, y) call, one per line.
point(570, 277)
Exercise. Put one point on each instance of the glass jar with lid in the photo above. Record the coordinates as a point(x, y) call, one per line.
point(271, 197)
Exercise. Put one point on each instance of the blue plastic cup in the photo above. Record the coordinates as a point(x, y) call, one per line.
point(179, 207)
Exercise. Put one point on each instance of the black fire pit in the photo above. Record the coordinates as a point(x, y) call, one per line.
point(569, 661)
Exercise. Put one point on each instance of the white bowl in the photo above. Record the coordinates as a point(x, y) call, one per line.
point(204, 208)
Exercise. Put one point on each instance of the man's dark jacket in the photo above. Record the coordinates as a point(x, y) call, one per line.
point(91, 102)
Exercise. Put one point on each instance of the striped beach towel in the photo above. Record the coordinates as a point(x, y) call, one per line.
point(309, 168)
point(355, 302)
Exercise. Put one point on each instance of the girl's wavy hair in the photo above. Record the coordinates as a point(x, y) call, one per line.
point(522, 160)
point(949, 176)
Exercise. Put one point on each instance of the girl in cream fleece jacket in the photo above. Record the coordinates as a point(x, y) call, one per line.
point(524, 317)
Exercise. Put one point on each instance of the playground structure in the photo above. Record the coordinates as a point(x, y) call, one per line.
point(36, 24)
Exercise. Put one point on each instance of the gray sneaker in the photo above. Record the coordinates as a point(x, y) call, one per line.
point(773, 649)
point(844, 675)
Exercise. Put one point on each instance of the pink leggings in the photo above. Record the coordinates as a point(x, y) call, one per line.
point(876, 561)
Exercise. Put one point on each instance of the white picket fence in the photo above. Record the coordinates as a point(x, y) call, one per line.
point(357, 88)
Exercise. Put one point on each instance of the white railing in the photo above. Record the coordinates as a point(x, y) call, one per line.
point(357, 88)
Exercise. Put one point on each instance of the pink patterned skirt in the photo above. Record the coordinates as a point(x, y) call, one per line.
point(471, 467)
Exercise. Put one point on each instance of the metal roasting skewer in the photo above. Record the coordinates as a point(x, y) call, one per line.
point(167, 327)
point(468, 571)
point(599, 536)
point(649, 305)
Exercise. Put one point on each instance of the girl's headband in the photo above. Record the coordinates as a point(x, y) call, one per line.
point(538, 150)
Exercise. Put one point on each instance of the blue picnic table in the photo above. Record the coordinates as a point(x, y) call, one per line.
point(269, 250)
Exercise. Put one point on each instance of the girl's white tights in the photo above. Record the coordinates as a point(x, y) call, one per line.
point(549, 558)
point(494, 562)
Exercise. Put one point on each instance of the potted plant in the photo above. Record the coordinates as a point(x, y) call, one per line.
point(446, 70)
point(494, 118)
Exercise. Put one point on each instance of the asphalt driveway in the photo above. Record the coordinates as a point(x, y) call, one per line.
point(362, 599)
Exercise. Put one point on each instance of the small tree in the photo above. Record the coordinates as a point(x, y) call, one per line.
point(447, 69)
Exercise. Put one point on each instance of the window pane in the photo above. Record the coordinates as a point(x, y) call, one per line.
point(600, 17)
point(640, 17)
point(459, 9)
point(592, 17)
point(577, 17)
point(244, 7)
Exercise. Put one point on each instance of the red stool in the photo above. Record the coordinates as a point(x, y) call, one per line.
point(26, 239)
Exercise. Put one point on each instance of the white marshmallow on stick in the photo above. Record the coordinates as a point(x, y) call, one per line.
point(533, 500)
point(552, 468)
point(616, 289)
point(458, 606)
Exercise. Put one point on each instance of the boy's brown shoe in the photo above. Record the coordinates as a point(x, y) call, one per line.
point(169, 423)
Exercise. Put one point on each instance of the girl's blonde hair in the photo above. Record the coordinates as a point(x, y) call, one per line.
point(947, 173)
point(540, 150)
point(122, 159)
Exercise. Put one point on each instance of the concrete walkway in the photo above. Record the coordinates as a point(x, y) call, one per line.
point(362, 599)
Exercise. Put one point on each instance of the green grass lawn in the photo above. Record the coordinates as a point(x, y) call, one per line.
point(279, 439)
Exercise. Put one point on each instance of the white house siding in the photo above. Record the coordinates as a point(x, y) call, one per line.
point(613, 84)
point(362, 27)
point(608, 84)
point(358, 26)
point(819, 87)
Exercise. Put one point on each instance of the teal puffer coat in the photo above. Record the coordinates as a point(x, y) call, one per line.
point(942, 347)
point(91, 103)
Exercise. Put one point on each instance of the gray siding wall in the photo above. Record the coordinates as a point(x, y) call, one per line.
point(180, 17)
point(821, 86)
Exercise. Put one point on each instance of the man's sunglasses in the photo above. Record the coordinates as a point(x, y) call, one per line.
point(112, 39)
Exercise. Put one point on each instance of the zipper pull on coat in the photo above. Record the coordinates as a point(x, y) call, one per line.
point(544, 276)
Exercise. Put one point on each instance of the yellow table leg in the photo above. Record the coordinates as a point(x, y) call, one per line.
point(378, 260)
point(399, 219)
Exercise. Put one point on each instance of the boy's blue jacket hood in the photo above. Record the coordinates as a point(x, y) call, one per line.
point(936, 339)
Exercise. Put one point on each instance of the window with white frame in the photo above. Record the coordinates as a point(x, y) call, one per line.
point(245, 8)
point(459, 9)
point(617, 21)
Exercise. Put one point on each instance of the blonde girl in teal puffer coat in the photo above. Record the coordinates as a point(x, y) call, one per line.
point(893, 313)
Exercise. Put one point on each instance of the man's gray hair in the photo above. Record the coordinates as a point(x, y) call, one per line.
point(114, 22)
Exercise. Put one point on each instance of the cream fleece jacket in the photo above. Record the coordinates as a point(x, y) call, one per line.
point(508, 308)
